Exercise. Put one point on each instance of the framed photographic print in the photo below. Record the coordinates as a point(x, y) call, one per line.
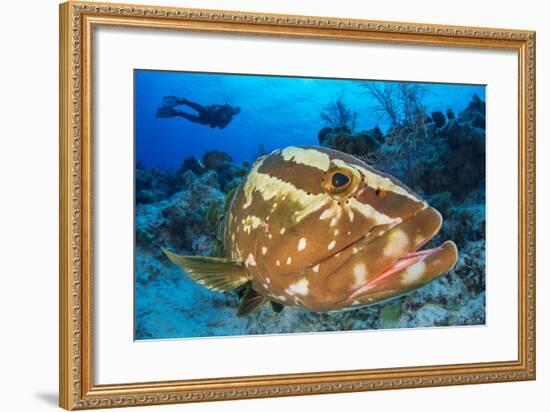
point(258, 205)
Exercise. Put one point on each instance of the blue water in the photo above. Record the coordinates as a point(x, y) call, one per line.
point(275, 112)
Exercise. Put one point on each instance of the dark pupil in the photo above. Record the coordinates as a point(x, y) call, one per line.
point(339, 179)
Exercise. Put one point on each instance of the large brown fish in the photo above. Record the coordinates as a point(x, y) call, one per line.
point(319, 229)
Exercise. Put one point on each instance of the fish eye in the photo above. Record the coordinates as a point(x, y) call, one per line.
point(339, 179)
point(341, 182)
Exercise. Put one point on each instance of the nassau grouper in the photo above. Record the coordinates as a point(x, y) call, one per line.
point(319, 229)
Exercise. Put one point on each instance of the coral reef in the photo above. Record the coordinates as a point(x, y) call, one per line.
point(337, 114)
point(358, 144)
point(439, 119)
point(153, 185)
point(432, 154)
point(474, 113)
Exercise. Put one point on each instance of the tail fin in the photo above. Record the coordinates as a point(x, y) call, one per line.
point(166, 112)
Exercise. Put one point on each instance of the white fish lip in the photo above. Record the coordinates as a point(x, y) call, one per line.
point(408, 259)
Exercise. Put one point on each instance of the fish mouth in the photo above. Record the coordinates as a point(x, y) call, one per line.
point(426, 265)
point(392, 262)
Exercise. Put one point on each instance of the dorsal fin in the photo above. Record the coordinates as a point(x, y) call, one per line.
point(228, 199)
point(218, 274)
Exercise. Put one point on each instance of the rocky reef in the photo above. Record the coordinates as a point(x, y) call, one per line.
point(439, 155)
point(432, 154)
point(154, 185)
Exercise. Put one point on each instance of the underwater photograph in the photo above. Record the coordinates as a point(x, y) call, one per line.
point(274, 205)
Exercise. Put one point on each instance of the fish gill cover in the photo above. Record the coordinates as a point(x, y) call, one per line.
point(193, 149)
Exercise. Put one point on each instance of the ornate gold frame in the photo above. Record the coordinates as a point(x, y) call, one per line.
point(77, 388)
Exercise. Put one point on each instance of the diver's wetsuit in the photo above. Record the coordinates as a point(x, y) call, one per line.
point(215, 115)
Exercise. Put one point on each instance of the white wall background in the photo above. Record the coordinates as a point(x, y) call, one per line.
point(28, 206)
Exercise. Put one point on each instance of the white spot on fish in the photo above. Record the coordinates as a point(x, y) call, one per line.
point(270, 236)
point(333, 213)
point(350, 215)
point(349, 233)
point(413, 273)
point(278, 263)
point(336, 232)
point(268, 280)
point(289, 260)
point(326, 214)
point(282, 231)
point(265, 286)
point(299, 288)
point(360, 275)
point(316, 268)
point(251, 222)
point(233, 237)
point(355, 250)
point(371, 213)
point(281, 297)
point(264, 250)
point(309, 157)
point(250, 261)
point(356, 302)
point(302, 244)
point(397, 243)
point(331, 245)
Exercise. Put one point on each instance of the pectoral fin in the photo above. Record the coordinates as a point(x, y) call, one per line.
point(276, 306)
point(251, 301)
point(218, 274)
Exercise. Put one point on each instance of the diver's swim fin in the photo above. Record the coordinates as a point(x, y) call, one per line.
point(218, 274)
point(166, 112)
point(171, 101)
point(250, 301)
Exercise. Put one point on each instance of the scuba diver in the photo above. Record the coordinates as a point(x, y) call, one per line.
point(214, 115)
